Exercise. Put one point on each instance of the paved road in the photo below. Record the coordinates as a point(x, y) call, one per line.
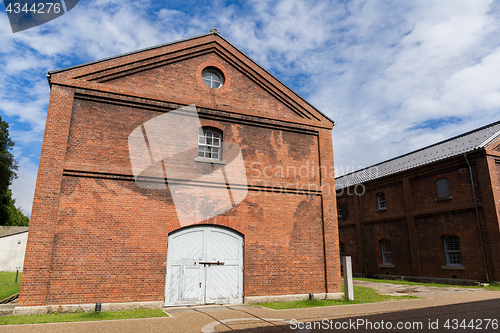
point(416, 315)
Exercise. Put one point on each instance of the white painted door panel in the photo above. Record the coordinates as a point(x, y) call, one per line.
point(223, 281)
point(222, 285)
point(185, 249)
point(204, 266)
point(191, 290)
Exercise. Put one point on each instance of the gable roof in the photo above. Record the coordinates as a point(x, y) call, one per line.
point(212, 32)
point(479, 138)
point(12, 230)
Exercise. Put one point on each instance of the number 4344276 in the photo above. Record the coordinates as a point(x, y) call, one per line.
point(478, 324)
point(37, 8)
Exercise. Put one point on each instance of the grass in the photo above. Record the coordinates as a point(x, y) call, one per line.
point(490, 287)
point(361, 295)
point(7, 285)
point(81, 316)
point(493, 287)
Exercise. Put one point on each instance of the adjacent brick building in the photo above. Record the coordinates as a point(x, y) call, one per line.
point(97, 235)
point(433, 212)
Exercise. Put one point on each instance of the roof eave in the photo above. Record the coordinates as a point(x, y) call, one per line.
point(129, 53)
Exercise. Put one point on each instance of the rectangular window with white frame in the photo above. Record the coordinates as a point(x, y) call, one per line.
point(209, 144)
point(452, 251)
point(385, 246)
point(381, 201)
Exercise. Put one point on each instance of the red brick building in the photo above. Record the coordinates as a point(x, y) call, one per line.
point(98, 235)
point(432, 213)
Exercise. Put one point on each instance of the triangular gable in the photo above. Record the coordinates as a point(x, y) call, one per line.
point(122, 74)
point(493, 145)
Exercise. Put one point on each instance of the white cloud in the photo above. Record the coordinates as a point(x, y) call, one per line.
point(386, 71)
point(436, 61)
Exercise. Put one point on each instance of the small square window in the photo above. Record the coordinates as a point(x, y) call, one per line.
point(443, 188)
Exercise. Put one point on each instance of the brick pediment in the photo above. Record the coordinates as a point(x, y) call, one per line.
point(172, 73)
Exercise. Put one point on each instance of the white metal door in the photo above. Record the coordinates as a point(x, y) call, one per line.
point(204, 266)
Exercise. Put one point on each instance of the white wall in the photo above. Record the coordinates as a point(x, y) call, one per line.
point(12, 250)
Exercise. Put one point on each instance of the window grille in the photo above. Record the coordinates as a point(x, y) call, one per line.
point(209, 144)
point(385, 246)
point(212, 78)
point(452, 250)
point(381, 201)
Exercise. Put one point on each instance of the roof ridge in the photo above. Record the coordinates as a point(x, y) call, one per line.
point(488, 141)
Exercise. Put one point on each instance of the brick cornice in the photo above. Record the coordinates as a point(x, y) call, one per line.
point(138, 62)
point(225, 113)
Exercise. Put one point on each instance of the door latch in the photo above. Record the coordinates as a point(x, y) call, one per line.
point(205, 263)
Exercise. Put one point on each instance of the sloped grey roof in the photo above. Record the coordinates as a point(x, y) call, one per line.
point(476, 139)
point(10, 230)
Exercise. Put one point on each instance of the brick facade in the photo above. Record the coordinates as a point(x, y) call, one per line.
point(95, 236)
point(415, 220)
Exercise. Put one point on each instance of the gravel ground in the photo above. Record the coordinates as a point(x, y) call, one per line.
point(414, 290)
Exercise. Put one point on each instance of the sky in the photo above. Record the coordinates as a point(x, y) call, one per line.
point(395, 76)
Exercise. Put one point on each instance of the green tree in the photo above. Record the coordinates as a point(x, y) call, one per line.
point(9, 213)
point(14, 214)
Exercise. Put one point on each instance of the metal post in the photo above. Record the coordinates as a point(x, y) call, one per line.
point(348, 286)
point(17, 273)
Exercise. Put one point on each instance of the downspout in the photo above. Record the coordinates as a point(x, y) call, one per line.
point(477, 218)
point(363, 247)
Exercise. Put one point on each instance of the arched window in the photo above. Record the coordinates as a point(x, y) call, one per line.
point(209, 143)
point(385, 247)
point(381, 201)
point(452, 250)
point(443, 188)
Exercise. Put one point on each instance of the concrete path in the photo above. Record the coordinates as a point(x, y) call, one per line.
point(416, 315)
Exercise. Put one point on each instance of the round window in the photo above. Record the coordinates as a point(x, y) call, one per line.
point(212, 78)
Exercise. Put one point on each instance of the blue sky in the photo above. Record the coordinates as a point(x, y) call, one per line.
point(394, 75)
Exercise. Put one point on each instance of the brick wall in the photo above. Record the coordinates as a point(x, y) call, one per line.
point(415, 220)
point(96, 236)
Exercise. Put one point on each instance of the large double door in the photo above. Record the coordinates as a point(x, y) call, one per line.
point(204, 266)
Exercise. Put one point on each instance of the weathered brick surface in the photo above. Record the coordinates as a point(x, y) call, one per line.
point(95, 236)
point(415, 221)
